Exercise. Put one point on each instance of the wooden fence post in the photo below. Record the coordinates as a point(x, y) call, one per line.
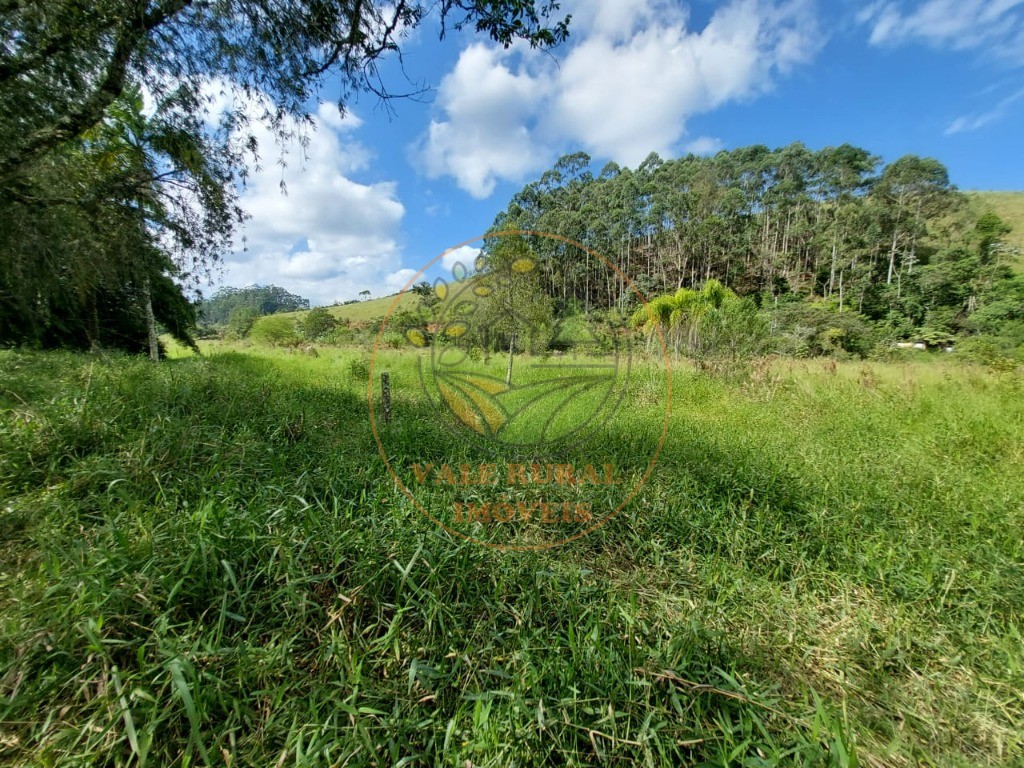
point(385, 397)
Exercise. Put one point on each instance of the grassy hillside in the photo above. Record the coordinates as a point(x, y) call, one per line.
point(206, 562)
point(362, 311)
point(1009, 206)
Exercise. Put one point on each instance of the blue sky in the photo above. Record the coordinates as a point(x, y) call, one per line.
point(383, 192)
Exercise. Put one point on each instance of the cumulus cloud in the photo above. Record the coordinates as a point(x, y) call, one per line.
point(464, 254)
point(996, 25)
point(486, 134)
point(624, 90)
point(399, 281)
point(313, 229)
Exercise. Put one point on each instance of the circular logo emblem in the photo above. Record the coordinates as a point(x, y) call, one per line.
point(512, 419)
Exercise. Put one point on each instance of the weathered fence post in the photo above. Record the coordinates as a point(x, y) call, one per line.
point(385, 397)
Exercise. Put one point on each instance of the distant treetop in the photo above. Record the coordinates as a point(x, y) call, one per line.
point(262, 299)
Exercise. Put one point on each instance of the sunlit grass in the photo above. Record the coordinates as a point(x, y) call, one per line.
point(206, 561)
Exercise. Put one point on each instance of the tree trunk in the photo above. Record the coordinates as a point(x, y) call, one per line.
point(835, 254)
point(892, 257)
point(154, 343)
point(511, 356)
point(94, 336)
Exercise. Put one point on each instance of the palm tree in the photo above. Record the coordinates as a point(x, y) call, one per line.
point(679, 315)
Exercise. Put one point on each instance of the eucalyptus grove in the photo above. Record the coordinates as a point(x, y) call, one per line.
point(781, 225)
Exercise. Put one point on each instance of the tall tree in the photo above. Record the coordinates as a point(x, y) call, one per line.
point(64, 64)
point(913, 188)
point(86, 236)
point(85, 178)
point(514, 310)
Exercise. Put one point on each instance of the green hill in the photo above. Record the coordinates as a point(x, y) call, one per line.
point(364, 311)
point(1009, 206)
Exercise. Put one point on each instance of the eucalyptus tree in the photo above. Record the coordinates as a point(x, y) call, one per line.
point(845, 174)
point(513, 309)
point(911, 189)
point(262, 299)
point(816, 224)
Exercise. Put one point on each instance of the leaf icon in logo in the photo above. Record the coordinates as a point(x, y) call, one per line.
point(527, 413)
point(534, 409)
point(472, 398)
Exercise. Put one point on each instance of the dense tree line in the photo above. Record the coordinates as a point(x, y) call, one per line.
point(893, 243)
point(261, 299)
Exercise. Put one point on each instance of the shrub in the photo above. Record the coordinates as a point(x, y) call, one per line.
point(317, 324)
point(810, 330)
point(275, 331)
point(339, 336)
point(240, 322)
point(999, 352)
point(359, 369)
point(393, 340)
point(733, 332)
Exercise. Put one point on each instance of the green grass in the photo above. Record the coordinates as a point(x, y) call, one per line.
point(1009, 206)
point(206, 562)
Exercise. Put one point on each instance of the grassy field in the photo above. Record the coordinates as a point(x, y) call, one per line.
point(1009, 206)
point(364, 311)
point(205, 562)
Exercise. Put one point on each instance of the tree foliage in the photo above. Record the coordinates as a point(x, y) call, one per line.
point(86, 236)
point(712, 322)
point(896, 244)
point(107, 210)
point(809, 329)
point(317, 324)
point(65, 64)
point(513, 311)
point(260, 299)
point(274, 330)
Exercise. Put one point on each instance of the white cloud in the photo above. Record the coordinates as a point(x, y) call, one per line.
point(618, 20)
point(624, 90)
point(704, 145)
point(967, 123)
point(399, 280)
point(485, 136)
point(327, 237)
point(464, 254)
point(996, 25)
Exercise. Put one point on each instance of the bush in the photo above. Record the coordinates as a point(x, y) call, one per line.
point(734, 332)
point(240, 322)
point(317, 324)
point(1000, 352)
point(339, 336)
point(275, 331)
point(359, 369)
point(811, 330)
point(393, 340)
